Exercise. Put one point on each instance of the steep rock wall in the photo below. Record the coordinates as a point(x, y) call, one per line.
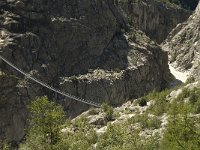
point(183, 44)
point(153, 17)
point(14, 98)
point(139, 66)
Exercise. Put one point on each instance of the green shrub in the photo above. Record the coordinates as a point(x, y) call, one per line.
point(196, 107)
point(113, 138)
point(184, 94)
point(45, 122)
point(4, 145)
point(122, 136)
point(154, 123)
point(142, 101)
point(161, 104)
point(195, 100)
point(152, 95)
point(78, 140)
point(93, 111)
point(183, 132)
point(180, 106)
point(116, 114)
point(81, 123)
point(176, 108)
point(108, 111)
point(190, 80)
point(193, 97)
point(146, 121)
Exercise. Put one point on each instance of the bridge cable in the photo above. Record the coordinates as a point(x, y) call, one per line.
point(50, 87)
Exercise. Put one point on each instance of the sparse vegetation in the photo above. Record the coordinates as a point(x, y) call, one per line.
point(190, 80)
point(188, 100)
point(4, 145)
point(81, 123)
point(146, 121)
point(92, 111)
point(182, 130)
point(160, 103)
point(108, 111)
point(79, 139)
point(142, 101)
point(122, 136)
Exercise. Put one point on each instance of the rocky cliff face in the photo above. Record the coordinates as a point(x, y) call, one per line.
point(77, 46)
point(139, 66)
point(13, 113)
point(183, 44)
point(154, 17)
point(65, 37)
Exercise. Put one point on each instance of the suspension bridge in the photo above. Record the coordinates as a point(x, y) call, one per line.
point(89, 102)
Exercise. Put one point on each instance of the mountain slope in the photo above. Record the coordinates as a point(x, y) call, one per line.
point(79, 47)
point(183, 45)
point(159, 121)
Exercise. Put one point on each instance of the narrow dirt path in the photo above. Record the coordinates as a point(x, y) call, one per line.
point(181, 76)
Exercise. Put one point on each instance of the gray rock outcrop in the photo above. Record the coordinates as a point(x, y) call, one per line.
point(183, 44)
point(154, 17)
point(139, 66)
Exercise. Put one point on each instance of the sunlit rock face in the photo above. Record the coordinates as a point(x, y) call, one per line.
point(154, 17)
point(183, 45)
